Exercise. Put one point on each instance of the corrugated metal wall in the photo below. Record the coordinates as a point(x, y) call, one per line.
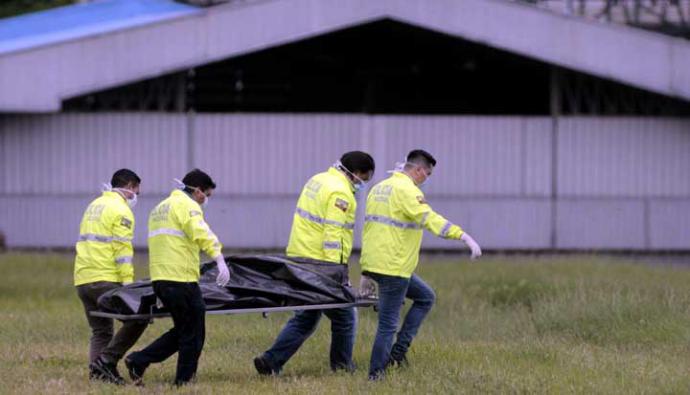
point(623, 183)
point(625, 157)
point(72, 154)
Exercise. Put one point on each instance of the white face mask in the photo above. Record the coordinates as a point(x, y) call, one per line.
point(424, 183)
point(181, 185)
point(400, 166)
point(131, 202)
point(358, 184)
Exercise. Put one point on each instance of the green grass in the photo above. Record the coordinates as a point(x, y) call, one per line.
point(503, 325)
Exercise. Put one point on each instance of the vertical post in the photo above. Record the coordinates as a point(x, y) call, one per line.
point(555, 110)
point(369, 102)
point(647, 224)
point(569, 7)
point(190, 117)
point(179, 104)
point(636, 12)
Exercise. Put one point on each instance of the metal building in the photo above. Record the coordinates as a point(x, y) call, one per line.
point(555, 133)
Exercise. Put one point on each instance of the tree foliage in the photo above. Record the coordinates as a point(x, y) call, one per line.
point(10, 8)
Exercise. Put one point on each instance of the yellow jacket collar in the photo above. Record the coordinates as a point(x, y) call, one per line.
point(404, 175)
point(179, 192)
point(342, 176)
point(113, 194)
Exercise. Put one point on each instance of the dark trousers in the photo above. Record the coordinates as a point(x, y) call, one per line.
point(303, 324)
point(185, 304)
point(102, 342)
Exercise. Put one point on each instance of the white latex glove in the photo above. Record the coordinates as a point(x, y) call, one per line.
point(367, 287)
point(223, 272)
point(469, 242)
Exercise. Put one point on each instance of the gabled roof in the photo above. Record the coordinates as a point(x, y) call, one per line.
point(90, 54)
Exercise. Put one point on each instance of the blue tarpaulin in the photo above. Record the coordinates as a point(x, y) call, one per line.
point(86, 19)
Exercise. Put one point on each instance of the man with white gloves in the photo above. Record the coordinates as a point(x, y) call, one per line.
point(177, 232)
point(396, 215)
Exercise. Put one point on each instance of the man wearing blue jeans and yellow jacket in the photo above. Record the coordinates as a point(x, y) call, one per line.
point(396, 215)
point(322, 230)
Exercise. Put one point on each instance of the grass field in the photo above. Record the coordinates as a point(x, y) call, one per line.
point(503, 325)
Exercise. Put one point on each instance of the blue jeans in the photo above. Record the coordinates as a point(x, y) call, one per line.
point(392, 293)
point(303, 324)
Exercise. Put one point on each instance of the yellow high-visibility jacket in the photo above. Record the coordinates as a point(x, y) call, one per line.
point(104, 247)
point(396, 215)
point(177, 231)
point(324, 219)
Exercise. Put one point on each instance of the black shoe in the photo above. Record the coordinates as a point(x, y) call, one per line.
point(349, 367)
point(93, 374)
point(399, 362)
point(182, 383)
point(136, 371)
point(264, 367)
point(398, 358)
point(106, 371)
point(377, 376)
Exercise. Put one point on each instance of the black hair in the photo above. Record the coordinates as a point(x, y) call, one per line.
point(124, 177)
point(358, 162)
point(421, 157)
point(199, 179)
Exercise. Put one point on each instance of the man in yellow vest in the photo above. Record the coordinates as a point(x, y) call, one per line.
point(396, 214)
point(104, 263)
point(177, 232)
point(322, 229)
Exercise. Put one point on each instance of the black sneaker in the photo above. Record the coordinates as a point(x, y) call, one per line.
point(377, 376)
point(399, 361)
point(264, 367)
point(93, 373)
point(136, 372)
point(398, 357)
point(347, 367)
point(181, 383)
point(106, 371)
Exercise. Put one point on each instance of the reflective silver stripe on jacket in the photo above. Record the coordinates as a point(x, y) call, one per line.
point(102, 239)
point(392, 222)
point(167, 231)
point(313, 218)
point(123, 259)
point(424, 219)
point(331, 245)
point(445, 229)
point(209, 232)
